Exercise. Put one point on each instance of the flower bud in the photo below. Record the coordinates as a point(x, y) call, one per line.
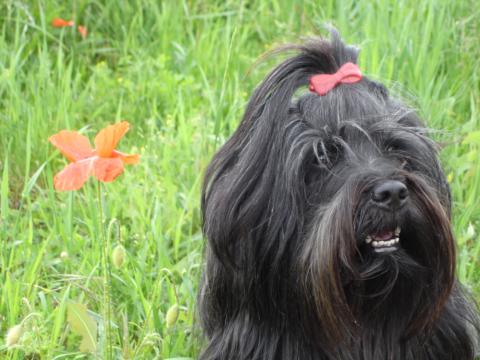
point(118, 256)
point(13, 335)
point(172, 315)
point(470, 231)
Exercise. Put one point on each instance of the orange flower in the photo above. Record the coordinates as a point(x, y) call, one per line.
point(83, 31)
point(104, 162)
point(60, 23)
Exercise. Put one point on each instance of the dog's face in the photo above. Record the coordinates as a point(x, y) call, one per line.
point(380, 178)
point(377, 213)
point(334, 204)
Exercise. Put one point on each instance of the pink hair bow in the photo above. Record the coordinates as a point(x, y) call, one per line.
point(347, 74)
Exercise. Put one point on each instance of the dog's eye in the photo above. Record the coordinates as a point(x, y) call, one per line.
point(404, 160)
point(320, 159)
point(323, 159)
point(392, 146)
point(322, 156)
point(399, 154)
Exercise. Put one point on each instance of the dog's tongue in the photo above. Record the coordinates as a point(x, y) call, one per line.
point(383, 235)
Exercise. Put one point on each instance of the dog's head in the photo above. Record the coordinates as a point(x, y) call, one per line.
point(337, 199)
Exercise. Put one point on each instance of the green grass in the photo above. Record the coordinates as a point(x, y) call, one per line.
point(180, 73)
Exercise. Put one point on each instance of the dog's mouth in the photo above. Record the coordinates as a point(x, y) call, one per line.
point(384, 240)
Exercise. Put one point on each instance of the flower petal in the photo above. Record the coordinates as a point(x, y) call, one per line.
point(59, 23)
point(83, 31)
point(108, 138)
point(106, 170)
point(73, 176)
point(71, 144)
point(126, 158)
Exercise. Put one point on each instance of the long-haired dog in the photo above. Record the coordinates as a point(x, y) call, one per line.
point(327, 215)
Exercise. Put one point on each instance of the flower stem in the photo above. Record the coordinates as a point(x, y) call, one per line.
point(104, 244)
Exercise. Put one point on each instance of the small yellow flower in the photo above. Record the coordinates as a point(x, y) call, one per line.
point(450, 178)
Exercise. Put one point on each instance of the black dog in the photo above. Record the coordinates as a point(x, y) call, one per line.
point(327, 216)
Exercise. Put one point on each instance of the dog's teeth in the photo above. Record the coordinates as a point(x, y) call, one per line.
point(397, 231)
point(382, 243)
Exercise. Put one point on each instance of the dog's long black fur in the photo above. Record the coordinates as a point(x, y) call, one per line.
point(287, 206)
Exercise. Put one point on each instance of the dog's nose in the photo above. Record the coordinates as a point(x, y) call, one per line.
point(391, 194)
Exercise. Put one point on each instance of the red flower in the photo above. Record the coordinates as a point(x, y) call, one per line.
point(60, 23)
point(104, 162)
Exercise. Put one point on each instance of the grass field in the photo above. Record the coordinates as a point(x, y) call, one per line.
point(180, 72)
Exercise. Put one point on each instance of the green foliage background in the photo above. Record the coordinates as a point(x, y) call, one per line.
point(181, 72)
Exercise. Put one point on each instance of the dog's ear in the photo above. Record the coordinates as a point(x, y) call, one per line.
point(253, 186)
